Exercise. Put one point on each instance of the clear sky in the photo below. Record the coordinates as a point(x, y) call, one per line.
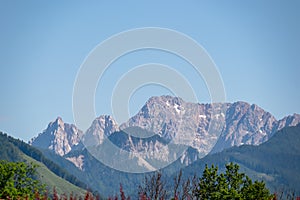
point(255, 45)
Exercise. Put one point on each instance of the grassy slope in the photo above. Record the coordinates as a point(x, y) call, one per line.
point(14, 150)
point(51, 180)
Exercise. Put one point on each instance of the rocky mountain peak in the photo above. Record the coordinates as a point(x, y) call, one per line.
point(246, 124)
point(59, 122)
point(182, 122)
point(59, 137)
point(101, 127)
point(291, 120)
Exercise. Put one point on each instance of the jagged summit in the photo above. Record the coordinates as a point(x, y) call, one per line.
point(58, 122)
point(164, 99)
point(198, 125)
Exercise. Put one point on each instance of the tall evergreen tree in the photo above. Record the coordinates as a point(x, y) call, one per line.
point(229, 185)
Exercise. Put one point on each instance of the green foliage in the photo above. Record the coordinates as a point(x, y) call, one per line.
point(16, 181)
point(8, 150)
point(229, 185)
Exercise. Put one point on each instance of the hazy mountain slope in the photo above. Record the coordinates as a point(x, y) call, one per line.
point(99, 176)
point(276, 161)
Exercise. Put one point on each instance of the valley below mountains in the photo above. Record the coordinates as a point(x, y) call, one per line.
point(167, 134)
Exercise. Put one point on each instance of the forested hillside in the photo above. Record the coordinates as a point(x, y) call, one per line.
point(48, 172)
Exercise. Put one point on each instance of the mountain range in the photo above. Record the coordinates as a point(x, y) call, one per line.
point(168, 134)
point(163, 130)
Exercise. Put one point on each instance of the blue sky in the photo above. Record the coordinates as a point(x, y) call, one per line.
point(255, 45)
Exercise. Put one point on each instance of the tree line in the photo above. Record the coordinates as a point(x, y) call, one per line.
point(17, 182)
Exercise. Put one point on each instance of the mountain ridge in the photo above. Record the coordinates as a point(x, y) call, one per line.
point(208, 128)
point(150, 137)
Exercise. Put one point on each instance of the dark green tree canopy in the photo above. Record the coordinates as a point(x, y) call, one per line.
point(230, 185)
